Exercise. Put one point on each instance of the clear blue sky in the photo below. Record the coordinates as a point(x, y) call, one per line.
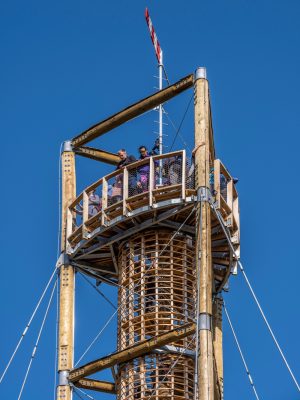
point(66, 65)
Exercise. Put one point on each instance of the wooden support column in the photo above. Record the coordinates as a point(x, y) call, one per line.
point(203, 237)
point(218, 346)
point(66, 281)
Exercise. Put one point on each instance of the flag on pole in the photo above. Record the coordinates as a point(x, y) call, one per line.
point(153, 36)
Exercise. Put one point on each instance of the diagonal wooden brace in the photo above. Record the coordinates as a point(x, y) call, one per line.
point(132, 352)
point(133, 111)
point(97, 154)
point(98, 386)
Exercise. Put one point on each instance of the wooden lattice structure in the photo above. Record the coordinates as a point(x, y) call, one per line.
point(162, 238)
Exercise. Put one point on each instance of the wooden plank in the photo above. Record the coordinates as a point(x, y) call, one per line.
point(98, 155)
point(133, 111)
point(132, 352)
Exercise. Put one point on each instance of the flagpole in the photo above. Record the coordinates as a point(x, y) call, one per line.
point(160, 78)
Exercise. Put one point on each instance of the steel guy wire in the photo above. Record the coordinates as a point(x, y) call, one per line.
point(37, 341)
point(84, 393)
point(130, 292)
point(182, 120)
point(175, 128)
point(256, 300)
point(27, 327)
point(97, 336)
point(56, 342)
point(240, 351)
point(98, 291)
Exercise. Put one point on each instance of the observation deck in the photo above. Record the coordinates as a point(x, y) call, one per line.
point(156, 192)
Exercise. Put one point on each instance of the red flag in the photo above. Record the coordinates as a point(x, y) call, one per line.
point(153, 36)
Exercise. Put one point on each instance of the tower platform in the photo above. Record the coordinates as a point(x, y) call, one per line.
point(157, 192)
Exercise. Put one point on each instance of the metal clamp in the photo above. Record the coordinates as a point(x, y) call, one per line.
point(67, 146)
point(63, 378)
point(63, 259)
point(203, 194)
point(205, 322)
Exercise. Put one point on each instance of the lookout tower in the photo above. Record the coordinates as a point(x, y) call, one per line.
point(166, 243)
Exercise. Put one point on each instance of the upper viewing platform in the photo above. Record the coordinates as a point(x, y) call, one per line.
point(159, 191)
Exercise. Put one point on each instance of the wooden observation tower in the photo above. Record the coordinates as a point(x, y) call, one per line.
point(166, 247)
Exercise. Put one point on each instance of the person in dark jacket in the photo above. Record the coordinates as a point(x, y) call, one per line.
point(124, 161)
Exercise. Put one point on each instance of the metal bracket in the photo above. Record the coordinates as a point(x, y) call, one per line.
point(67, 146)
point(63, 378)
point(203, 194)
point(63, 259)
point(205, 322)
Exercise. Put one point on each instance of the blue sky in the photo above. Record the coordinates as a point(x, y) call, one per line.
point(66, 65)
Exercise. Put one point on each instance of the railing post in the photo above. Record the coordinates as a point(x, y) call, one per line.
point(85, 213)
point(229, 201)
point(104, 200)
point(125, 190)
point(183, 177)
point(151, 181)
point(217, 182)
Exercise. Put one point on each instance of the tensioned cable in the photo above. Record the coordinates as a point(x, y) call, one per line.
point(255, 299)
point(96, 337)
point(240, 351)
point(98, 291)
point(37, 341)
point(165, 73)
point(27, 327)
point(172, 366)
point(182, 120)
point(130, 290)
point(175, 129)
point(76, 389)
point(56, 342)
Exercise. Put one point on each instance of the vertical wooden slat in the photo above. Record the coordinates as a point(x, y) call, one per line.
point(104, 200)
point(125, 190)
point(217, 182)
point(151, 181)
point(183, 177)
point(85, 214)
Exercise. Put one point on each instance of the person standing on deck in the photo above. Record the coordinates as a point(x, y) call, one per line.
point(124, 161)
point(144, 170)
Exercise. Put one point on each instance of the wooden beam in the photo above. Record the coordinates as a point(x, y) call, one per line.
point(97, 154)
point(66, 278)
point(133, 111)
point(218, 346)
point(132, 352)
point(203, 164)
point(98, 386)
